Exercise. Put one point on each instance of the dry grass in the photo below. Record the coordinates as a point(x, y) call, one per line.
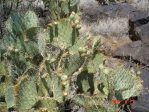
point(87, 2)
point(111, 27)
point(141, 4)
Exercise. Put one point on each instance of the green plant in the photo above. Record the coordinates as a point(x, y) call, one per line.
point(61, 8)
point(46, 67)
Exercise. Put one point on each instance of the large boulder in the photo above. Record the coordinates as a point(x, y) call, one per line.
point(143, 33)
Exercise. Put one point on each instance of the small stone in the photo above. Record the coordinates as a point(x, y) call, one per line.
point(64, 83)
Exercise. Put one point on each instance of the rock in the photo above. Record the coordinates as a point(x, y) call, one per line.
point(142, 105)
point(134, 26)
point(113, 62)
point(143, 55)
point(108, 45)
point(128, 50)
point(143, 33)
point(138, 51)
point(90, 11)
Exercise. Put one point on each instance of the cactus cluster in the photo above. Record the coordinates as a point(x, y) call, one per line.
point(39, 67)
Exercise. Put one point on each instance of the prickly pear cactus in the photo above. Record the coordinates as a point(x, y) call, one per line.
point(42, 68)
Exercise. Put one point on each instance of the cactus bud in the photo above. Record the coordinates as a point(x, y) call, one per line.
point(73, 24)
point(10, 48)
point(64, 77)
point(81, 49)
point(60, 70)
point(72, 15)
point(138, 72)
point(64, 83)
point(52, 60)
point(44, 110)
point(44, 75)
point(76, 21)
point(78, 26)
point(65, 93)
point(55, 23)
point(89, 52)
point(26, 40)
point(83, 54)
point(48, 57)
point(106, 71)
point(132, 71)
point(59, 74)
point(101, 66)
point(16, 50)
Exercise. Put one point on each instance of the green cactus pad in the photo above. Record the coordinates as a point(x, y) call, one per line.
point(55, 87)
point(126, 84)
point(18, 23)
point(79, 44)
point(65, 7)
point(73, 64)
point(93, 65)
point(122, 82)
point(3, 78)
point(10, 97)
point(64, 33)
point(26, 94)
point(15, 24)
point(31, 48)
point(89, 101)
point(49, 104)
point(30, 20)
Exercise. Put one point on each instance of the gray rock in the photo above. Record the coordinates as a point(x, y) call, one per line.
point(137, 50)
point(143, 55)
point(142, 105)
point(135, 27)
point(143, 33)
point(128, 50)
point(113, 10)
